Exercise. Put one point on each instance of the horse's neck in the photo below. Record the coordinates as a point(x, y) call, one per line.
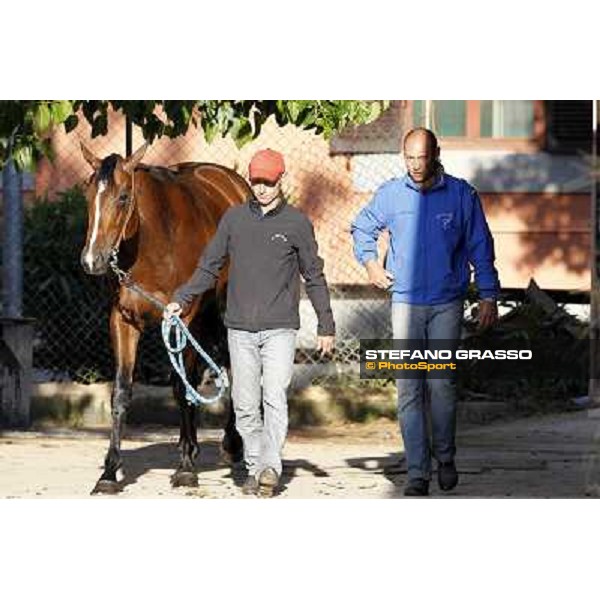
point(147, 238)
point(153, 212)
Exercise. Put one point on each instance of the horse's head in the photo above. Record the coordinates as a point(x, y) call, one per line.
point(111, 196)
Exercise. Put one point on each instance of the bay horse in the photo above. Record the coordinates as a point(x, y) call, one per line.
point(159, 220)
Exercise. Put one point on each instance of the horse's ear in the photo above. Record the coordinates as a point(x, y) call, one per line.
point(90, 157)
point(132, 162)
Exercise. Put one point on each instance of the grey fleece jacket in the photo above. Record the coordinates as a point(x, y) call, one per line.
point(267, 253)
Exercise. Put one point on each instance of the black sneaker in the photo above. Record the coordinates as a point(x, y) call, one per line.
point(417, 487)
point(250, 486)
point(447, 476)
point(268, 481)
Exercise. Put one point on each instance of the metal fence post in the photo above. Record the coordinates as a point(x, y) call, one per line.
point(13, 241)
point(16, 333)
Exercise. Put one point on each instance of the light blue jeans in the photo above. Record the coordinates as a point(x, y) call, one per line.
point(441, 321)
point(262, 363)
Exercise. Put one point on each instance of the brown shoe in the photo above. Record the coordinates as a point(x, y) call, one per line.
point(268, 481)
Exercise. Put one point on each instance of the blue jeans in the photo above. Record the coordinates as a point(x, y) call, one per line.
point(262, 363)
point(441, 321)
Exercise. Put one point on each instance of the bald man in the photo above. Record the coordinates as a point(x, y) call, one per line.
point(437, 229)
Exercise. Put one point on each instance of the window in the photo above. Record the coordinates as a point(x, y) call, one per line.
point(477, 119)
point(448, 118)
point(506, 118)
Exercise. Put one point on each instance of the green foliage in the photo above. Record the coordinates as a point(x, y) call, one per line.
point(54, 232)
point(29, 124)
point(70, 308)
point(33, 121)
point(327, 116)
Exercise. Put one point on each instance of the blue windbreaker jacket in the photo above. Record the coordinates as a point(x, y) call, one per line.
point(434, 236)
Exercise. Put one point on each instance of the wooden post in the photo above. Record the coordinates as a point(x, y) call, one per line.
point(128, 137)
point(16, 358)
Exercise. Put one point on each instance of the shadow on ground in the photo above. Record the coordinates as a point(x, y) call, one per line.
point(165, 456)
point(527, 474)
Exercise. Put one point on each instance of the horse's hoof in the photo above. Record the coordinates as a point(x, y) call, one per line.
point(106, 486)
point(184, 479)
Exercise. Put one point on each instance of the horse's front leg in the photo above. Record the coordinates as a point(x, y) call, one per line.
point(186, 475)
point(125, 340)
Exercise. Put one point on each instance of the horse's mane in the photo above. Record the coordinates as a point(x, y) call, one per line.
point(107, 167)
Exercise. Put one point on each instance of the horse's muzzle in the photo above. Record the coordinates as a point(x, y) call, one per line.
point(94, 264)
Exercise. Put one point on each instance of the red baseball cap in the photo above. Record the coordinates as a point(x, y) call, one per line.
point(266, 164)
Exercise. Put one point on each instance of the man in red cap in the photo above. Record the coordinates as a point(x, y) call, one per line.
point(270, 244)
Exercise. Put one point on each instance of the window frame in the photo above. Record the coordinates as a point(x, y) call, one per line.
point(473, 139)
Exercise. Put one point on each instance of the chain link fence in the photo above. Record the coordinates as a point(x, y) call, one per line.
point(72, 341)
point(328, 180)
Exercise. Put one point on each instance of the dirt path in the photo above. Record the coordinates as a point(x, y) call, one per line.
point(550, 456)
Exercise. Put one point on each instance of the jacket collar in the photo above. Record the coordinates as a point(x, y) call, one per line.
point(256, 210)
point(440, 181)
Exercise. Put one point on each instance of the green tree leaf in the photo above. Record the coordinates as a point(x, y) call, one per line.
point(42, 120)
point(23, 156)
point(61, 110)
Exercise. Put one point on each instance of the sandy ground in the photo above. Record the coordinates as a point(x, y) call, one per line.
point(554, 456)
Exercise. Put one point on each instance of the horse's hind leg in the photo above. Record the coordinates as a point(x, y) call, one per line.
point(125, 340)
point(185, 475)
point(232, 445)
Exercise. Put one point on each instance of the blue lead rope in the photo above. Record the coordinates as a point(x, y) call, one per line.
point(176, 327)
